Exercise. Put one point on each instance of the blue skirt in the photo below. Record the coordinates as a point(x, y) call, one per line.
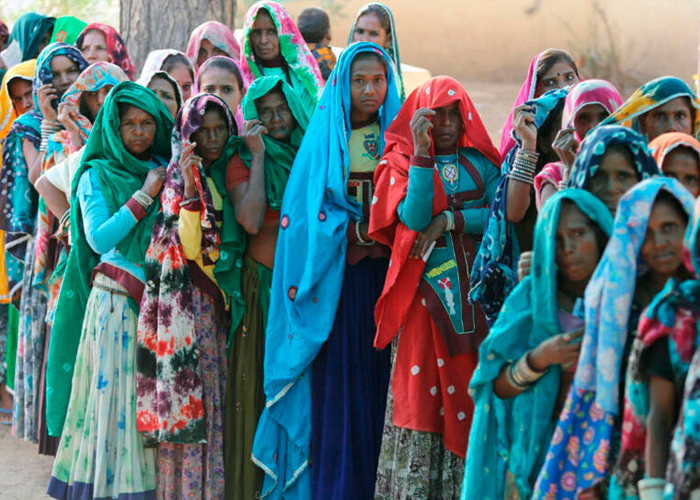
point(350, 382)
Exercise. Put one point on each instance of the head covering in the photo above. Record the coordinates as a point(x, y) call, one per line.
point(493, 274)
point(8, 114)
point(218, 34)
point(28, 31)
point(652, 95)
point(393, 50)
point(67, 29)
point(43, 73)
point(527, 93)
point(519, 428)
point(146, 78)
point(307, 277)
point(587, 93)
point(293, 49)
point(597, 143)
point(661, 146)
point(115, 46)
point(156, 59)
point(392, 184)
point(120, 174)
point(592, 406)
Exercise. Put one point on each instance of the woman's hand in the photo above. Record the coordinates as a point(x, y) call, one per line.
point(154, 181)
point(420, 126)
point(566, 146)
point(252, 133)
point(424, 239)
point(524, 126)
point(45, 95)
point(68, 116)
point(557, 350)
point(524, 265)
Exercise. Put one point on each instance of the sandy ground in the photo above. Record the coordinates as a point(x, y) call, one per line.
point(24, 473)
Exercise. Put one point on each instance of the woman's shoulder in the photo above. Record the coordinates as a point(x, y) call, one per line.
point(476, 157)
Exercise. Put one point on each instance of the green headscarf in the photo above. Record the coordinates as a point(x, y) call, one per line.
point(28, 31)
point(67, 29)
point(120, 174)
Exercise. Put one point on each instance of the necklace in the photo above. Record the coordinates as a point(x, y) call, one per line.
point(449, 173)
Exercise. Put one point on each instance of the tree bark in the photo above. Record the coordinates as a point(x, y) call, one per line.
point(148, 25)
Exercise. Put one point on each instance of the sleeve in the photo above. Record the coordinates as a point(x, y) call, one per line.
point(415, 210)
point(61, 175)
point(237, 172)
point(656, 360)
point(103, 231)
point(474, 220)
point(189, 228)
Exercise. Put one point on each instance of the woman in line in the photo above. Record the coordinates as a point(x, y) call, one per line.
point(101, 42)
point(255, 180)
point(374, 23)
point(166, 88)
point(536, 334)
point(272, 45)
point(16, 94)
point(32, 32)
point(587, 104)
point(324, 383)
point(644, 251)
point(113, 207)
point(678, 156)
point(221, 76)
point(66, 29)
point(437, 176)
point(212, 39)
point(176, 64)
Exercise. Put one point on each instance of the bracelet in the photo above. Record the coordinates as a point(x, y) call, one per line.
point(520, 176)
point(188, 200)
point(511, 379)
point(360, 239)
point(523, 374)
point(142, 198)
point(64, 218)
point(450, 220)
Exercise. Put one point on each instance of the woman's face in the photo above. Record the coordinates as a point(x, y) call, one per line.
point(264, 41)
point(181, 74)
point(447, 127)
point(369, 29)
point(674, 116)
point(207, 50)
point(94, 47)
point(275, 115)
point(560, 75)
point(368, 86)
point(682, 164)
point(65, 73)
point(222, 83)
point(614, 177)
point(21, 95)
point(577, 251)
point(45, 39)
point(137, 130)
point(166, 93)
point(211, 136)
point(589, 117)
point(662, 248)
point(94, 100)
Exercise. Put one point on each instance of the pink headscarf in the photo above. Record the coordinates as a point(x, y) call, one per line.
point(587, 93)
point(218, 34)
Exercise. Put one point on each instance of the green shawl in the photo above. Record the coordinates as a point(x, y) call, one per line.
point(67, 29)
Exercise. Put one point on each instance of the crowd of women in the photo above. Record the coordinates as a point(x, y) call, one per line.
point(258, 271)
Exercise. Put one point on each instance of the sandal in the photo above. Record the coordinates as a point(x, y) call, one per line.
point(4, 411)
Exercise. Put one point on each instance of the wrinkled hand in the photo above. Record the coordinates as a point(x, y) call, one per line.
point(423, 239)
point(420, 130)
point(45, 95)
point(524, 265)
point(557, 350)
point(524, 126)
point(154, 181)
point(252, 133)
point(566, 146)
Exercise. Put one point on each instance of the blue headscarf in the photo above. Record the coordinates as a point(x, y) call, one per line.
point(307, 277)
point(43, 74)
point(493, 274)
point(511, 434)
point(597, 143)
point(588, 418)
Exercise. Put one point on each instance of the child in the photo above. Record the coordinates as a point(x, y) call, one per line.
point(315, 27)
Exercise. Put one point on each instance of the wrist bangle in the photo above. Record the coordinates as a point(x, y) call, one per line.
point(360, 239)
point(142, 198)
point(188, 201)
point(450, 220)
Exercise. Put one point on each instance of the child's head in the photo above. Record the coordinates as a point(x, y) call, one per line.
point(315, 26)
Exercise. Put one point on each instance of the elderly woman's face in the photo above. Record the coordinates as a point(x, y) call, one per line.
point(137, 130)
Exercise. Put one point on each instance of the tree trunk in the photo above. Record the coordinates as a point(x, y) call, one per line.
point(148, 25)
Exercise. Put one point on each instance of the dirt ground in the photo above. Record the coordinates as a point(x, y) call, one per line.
point(24, 474)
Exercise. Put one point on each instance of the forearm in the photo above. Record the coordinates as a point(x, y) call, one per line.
point(415, 210)
point(502, 388)
point(33, 160)
point(660, 423)
point(473, 220)
point(517, 200)
point(249, 198)
point(54, 198)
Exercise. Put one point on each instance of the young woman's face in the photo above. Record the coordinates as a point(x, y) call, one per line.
point(211, 136)
point(222, 83)
point(207, 50)
point(447, 126)
point(560, 75)
point(275, 115)
point(662, 249)
point(577, 246)
point(682, 165)
point(94, 47)
point(368, 86)
point(264, 41)
point(181, 74)
point(614, 177)
point(65, 73)
point(166, 93)
point(589, 117)
point(94, 100)
point(674, 116)
point(137, 130)
point(21, 95)
point(369, 29)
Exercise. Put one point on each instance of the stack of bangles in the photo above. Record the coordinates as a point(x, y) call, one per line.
point(143, 199)
point(48, 127)
point(65, 218)
point(520, 375)
point(524, 166)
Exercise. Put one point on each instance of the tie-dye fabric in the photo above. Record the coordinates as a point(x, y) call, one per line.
point(218, 34)
point(115, 46)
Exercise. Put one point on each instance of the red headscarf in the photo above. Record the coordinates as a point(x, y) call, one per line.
point(118, 54)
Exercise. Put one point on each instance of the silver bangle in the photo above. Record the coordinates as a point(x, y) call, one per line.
point(360, 239)
point(450, 220)
point(524, 374)
point(143, 199)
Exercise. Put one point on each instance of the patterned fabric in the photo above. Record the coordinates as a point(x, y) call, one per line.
point(156, 59)
point(309, 266)
point(67, 29)
point(101, 454)
point(579, 454)
point(325, 57)
point(587, 93)
point(8, 114)
point(218, 34)
point(115, 46)
point(28, 31)
point(662, 145)
point(293, 50)
point(43, 73)
point(651, 95)
point(510, 435)
point(598, 141)
point(393, 50)
point(493, 275)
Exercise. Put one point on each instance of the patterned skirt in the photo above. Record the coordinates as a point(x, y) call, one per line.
point(196, 471)
point(101, 454)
